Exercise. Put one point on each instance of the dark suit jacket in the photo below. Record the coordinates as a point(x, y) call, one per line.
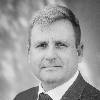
point(80, 90)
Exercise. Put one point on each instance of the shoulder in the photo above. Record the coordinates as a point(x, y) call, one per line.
point(27, 94)
point(90, 92)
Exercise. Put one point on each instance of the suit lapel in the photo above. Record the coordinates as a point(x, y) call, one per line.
point(35, 93)
point(75, 91)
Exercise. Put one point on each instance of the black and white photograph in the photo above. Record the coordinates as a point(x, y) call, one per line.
point(49, 49)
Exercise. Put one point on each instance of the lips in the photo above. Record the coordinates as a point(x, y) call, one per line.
point(55, 66)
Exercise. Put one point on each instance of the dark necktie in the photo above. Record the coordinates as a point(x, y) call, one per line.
point(43, 96)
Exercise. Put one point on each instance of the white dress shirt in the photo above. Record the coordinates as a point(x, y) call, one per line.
point(58, 92)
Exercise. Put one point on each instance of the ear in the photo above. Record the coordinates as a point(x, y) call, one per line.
point(29, 57)
point(80, 49)
point(80, 52)
point(28, 52)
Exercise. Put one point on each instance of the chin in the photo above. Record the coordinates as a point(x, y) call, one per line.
point(50, 80)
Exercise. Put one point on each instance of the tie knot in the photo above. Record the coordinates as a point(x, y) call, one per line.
point(43, 96)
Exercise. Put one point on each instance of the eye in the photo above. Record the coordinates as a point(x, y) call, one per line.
point(42, 45)
point(61, 45)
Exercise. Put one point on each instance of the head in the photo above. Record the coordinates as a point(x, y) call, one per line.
point(55, 45)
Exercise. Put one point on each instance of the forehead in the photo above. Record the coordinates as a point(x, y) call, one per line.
point(59, 30)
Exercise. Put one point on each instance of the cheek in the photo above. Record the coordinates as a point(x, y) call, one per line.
point(35, 55)
point(35, 63)
point(36, 58)
point(69, 58)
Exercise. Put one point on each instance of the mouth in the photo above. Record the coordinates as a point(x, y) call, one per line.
point(49, 67)
point(57, 66)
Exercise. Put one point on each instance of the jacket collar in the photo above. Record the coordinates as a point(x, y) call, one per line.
point(35, 93)
point(75, 91)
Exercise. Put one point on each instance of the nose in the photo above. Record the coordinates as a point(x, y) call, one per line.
point(51, 60)
point(51, 55)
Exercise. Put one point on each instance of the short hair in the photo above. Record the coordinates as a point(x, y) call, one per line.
point(53, 13)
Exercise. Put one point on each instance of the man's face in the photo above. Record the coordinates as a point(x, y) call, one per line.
point(53, 53)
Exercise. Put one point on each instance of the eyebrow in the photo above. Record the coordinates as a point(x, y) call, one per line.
point(61, 41)
point(39, 42)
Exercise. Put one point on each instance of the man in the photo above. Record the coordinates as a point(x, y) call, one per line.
point(55, 49)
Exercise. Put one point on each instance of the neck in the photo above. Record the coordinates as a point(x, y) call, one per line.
point(49, 86)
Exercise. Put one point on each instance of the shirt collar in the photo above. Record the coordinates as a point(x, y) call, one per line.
point(59, 91)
